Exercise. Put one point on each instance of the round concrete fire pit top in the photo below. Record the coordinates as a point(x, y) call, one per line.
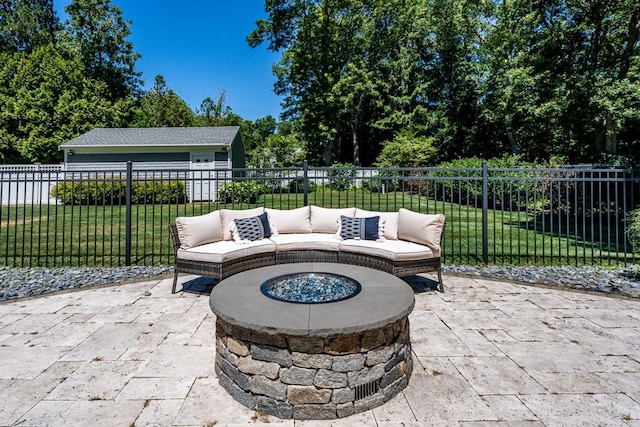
point(383, 299)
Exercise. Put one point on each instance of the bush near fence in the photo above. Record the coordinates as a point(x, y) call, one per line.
point(341, 176)
point(633, 227)
point(113, 192)
point(240, 192)
point(296, 186)
point(460, 181)
point(517, 185)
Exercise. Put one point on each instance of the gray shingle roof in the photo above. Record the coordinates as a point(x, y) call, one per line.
point(114, 137)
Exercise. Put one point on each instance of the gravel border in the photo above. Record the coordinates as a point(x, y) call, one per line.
point(623, 281)
point(16, 283)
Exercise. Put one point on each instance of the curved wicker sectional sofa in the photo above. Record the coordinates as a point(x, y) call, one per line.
point(210, 245)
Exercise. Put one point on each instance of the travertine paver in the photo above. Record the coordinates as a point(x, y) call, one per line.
point(486, 353)
point(96, 380)
point(496, 375)
point(583, 409)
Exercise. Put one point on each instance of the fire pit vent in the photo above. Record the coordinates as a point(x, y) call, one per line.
point(367, 389)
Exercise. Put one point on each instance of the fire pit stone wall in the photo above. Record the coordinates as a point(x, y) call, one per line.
point(313, 377)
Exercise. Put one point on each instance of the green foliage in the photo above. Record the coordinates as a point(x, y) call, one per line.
point(384, 182)
point(341, 176)
point(633, 228)
point(216, 113)
point(297, 186)
point(507, 189)
point(162, 107)
point(565, 77)
point(255, 134)
point(99, 34)
point(538, 79)
point(278, 151)
point(110, 192)
point(151, 192)
point(45, 100)
point(407, 150)
point(240, 192)
point(58, 81)
point(356, 73)
point(26, 24)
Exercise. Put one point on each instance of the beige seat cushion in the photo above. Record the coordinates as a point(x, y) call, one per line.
point(309, 241)
point(326, 220)
point(395, 250)
point(226, 250)
point(390, 221)
point(227, 216)
point(420, 228)
point(198, 230)
point(290, 221)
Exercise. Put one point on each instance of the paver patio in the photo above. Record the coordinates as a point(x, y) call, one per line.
point(485, 353)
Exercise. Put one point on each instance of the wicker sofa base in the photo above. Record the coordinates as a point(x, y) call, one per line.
point(225, 269)
point(220, 270)
point(397, 268)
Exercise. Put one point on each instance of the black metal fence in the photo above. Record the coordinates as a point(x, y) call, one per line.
point(569, 216)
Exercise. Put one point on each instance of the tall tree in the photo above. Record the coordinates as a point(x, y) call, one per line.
point(308, 32)
point(457, 29)
point(255, 133)
point(357, 72)
point(162, 107)
point(45, 100)
point(25, 24)
point(565, 77)
point(213, 113)
point(100, 35)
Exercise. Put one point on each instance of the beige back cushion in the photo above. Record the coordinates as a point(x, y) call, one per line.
point(198, 230)
point(390, 221)
point(227, 216)
point(420, 228)
point(326, 220)
point(288, 221)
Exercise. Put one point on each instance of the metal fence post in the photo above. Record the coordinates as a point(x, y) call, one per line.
point(485, 213)
point(127, 247)
point(305, 181)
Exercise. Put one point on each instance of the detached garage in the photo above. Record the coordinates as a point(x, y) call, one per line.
point(202, 149)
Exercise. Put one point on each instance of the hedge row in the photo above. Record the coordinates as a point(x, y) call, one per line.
point(114, 192)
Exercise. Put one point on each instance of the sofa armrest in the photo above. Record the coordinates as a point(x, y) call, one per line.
point(175, 238)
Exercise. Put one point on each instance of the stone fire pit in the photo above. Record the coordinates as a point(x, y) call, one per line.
point(319, 360)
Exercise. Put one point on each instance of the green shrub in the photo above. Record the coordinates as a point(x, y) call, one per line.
point(110, 192)
point(633, 228)
point(297, 186)
point(240, 192)
point(268, 180)
point(407, 149)
point(381, 183)
point(341, 176)
point(507, 186)
point(158, 192)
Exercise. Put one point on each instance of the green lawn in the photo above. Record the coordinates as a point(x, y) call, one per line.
point(59, 235)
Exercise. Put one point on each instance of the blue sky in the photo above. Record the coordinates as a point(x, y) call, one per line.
point(200, 48)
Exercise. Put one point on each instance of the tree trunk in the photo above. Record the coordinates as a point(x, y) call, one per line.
point(356, 149)
point(610, 138)
point(632, 41)
point(512, 141)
